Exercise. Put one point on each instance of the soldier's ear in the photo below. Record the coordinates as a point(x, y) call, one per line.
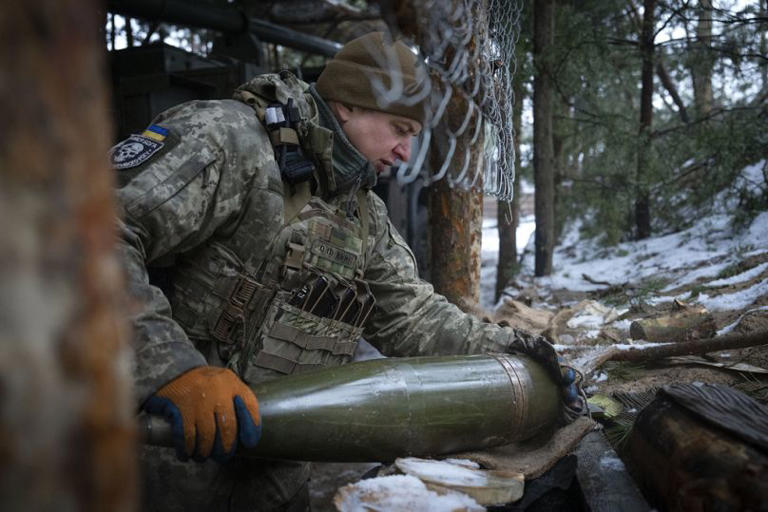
point(342, 112)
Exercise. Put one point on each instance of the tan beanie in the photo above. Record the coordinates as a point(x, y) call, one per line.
point(347, 77)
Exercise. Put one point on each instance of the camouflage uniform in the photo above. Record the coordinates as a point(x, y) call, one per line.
point(248, 250)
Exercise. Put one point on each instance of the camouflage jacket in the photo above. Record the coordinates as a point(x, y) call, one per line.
point(264, 282)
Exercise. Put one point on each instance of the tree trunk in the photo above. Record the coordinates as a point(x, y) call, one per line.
point(543, 152)
point(764, 46)
point(508, 215)
point(560, 156)
point(112, 31)
point(128, 32)
point(67, 422)
point(456, 230)
point(642, 195)
point(701, 70)
point(456, 215)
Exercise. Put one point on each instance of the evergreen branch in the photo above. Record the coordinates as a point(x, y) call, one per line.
point(714, 114)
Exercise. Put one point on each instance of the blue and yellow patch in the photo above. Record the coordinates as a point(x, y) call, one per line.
point(136, 149)
point(156, 132)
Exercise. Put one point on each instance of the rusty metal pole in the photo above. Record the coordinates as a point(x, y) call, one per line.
point(66, 426)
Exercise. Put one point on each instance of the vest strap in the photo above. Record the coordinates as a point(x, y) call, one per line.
point(284, 136)
point(362, 208)
point(295, 200)
point(309, 342)
point(281, 364)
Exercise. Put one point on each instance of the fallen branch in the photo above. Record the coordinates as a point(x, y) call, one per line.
point(593, 360)
point(592, 280)
point(715, 344)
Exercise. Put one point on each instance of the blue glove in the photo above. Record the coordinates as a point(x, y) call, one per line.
point(575, 404)
point(571, 394)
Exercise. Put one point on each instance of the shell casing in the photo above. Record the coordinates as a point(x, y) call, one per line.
point(382, 409)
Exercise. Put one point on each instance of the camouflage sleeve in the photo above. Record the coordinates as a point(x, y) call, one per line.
point(176, 199)
point(409, 318)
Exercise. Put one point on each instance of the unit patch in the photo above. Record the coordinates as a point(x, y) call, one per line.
point(134, 151)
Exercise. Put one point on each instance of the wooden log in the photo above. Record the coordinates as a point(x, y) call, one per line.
point(688, 323)
point(729, 342)
point(514, 313)
point(683, 461)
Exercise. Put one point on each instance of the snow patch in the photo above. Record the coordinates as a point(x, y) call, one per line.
point(757, 231)
point(444, 472)
point(728, 328)
point(737, 300)
point(740, 278)
point(622, 324)
point(591, 321)
point(402, 493)
point(611, 463)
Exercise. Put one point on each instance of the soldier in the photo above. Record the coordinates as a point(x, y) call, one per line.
point(281, 259)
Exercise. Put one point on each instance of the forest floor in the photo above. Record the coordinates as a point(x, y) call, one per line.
point(595, 293)
point(713, 272)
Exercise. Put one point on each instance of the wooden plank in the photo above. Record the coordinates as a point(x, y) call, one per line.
point(604, 480)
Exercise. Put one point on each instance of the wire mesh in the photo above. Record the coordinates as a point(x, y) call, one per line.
point(468, 47)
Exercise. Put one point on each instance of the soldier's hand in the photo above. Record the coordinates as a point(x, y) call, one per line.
point(538, 349)
point(210, 410)
point(573, 398)
point(542, 351)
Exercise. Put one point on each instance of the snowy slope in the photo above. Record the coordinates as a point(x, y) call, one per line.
point(673, 262)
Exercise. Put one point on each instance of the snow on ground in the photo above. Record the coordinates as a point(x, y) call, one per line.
point(673, 257)
point(490, 253)
point(400, 493)
point(699, 254)
point(738, 300)
point(728, 328)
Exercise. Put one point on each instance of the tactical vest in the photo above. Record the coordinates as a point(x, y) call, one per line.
point(281, 290)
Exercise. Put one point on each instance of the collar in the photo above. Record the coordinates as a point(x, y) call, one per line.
point(351, 169)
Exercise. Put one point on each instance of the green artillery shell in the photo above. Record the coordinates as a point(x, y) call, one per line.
point(382, 409)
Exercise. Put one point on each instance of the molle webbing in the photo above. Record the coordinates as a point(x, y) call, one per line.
point(239, 304)
point(282, 365)
point(310, 342)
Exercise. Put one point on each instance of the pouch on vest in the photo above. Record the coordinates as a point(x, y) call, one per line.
point(281, 122)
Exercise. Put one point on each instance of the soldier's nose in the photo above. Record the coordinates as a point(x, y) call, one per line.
point(403, 150)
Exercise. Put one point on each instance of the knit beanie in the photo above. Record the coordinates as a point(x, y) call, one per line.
point(348, 77)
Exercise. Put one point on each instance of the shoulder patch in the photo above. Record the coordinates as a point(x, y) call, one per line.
point(134, 151)
point(156, 132)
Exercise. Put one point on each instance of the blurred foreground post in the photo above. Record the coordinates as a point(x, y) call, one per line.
point(66, 418)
